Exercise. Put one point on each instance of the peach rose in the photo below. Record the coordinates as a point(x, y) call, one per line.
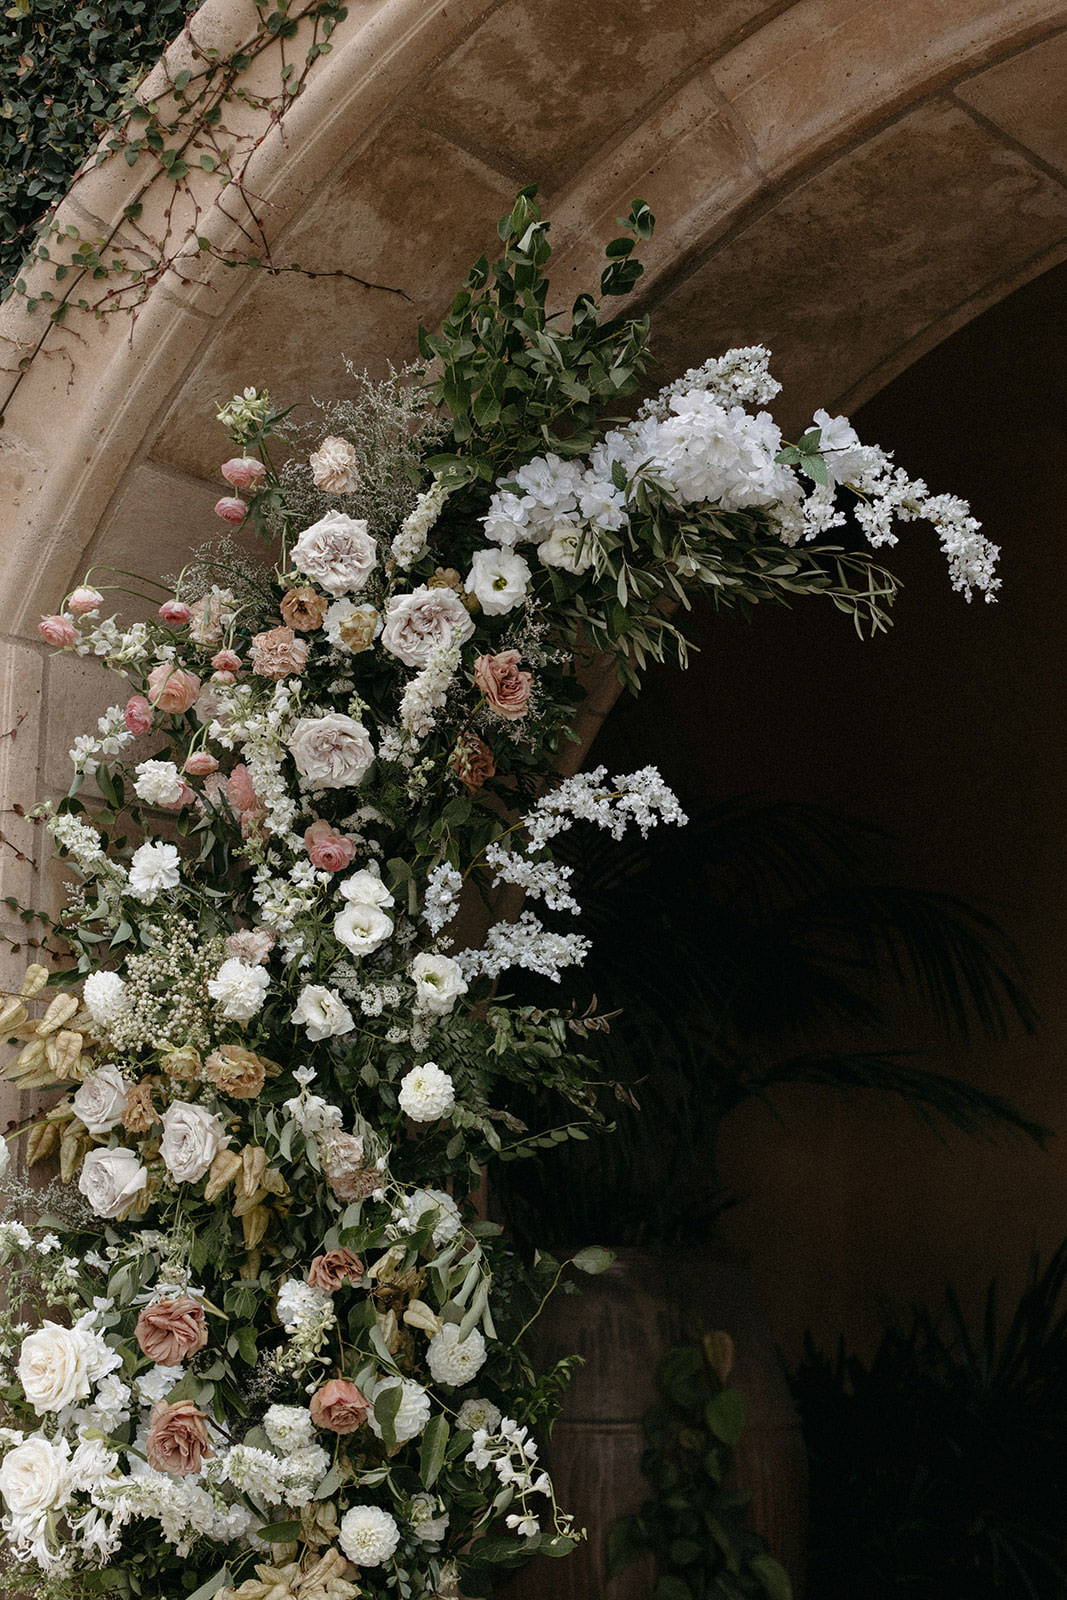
point(172, 1330)
point(177, 1439)
point(176, 613)
point(138, 714)
point(200, 763)
point(230, 509)
point(278, 653)
point(236, 1072)
point(334, 1269)
point(506, 689)
point(304, 609)
point(58, 631)
point(243, 472)
point(172, 688)
point(329, 850)
point(339, 1406)
point(472, 761)
point(83, 599)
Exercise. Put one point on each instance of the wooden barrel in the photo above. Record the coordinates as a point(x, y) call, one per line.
point(622, 1324)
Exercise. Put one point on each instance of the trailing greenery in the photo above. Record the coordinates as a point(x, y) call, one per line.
point(695, 1522)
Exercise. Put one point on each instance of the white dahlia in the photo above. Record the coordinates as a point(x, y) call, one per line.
point(368, 1536)
point(453, 1360)
point(427, 1093)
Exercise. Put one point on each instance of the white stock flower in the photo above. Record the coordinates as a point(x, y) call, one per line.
point(155, 1384)
point(453, 1360)
point(480, 1413)
point(332, 751)
point(105, 996)
point(289, 1428)
point(53, 1367)
point(362, 928)
point(500, 578)
point(153, 868)
point(111, 1180)
point(238, 989)
point(368, 1536)
point(423, 621)
point(569, 546)
point(300, 1304)
point(158, 783)
point(413, 1412)
point(333, 466)
point(192, 1138)
point(101, 1100)
point(337, 552)
point(322, 1012)
point(34, 1478)
point(426, 1093)
point(438, 981)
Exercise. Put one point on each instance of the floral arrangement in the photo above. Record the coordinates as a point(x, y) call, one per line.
point(260, 1338)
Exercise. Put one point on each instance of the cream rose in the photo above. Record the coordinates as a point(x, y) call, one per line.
point(53, 1367)
point(362, 928)
point(111, 1180)
point(192, 1138)
point(331, 752)
point(337, 552)
point(423, 621)
point(34, 1477)
point(100, 1101)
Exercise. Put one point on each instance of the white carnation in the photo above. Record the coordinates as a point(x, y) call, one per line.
point(158, 783)
point(238, 989)
point(337, 552)
point(438, 981)
point(368, 1536)
point(333, 466)
point(500, 578)
point(154, 868)
point(322, 1012)
point(101, 1100)
point(427, 1093)
point(453, 1360)
point(105, 996)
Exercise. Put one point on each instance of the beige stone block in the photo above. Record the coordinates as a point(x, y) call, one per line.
point(1027, 97)
point(158, 519)
point(78, 689)
point(20, 716)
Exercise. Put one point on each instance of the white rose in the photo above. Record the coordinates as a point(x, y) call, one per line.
point(53, 1367)
point(101, 1100)
point(423, 621)
point(452, 1360)
point(322, 1012)
point(154, 868)
point(439, 982)
point(158, 783)
point(362, 928)
point(337, 552)
point(192, 1138)
point(499, 578)
point(331, 752)
point(239, 989)
point(34, 1477)
point(366, 887)
point(333, 466)
point(105, 996)
point(426, 1093)
point(368, 1536)
point(111, 1179)
point(570, 547)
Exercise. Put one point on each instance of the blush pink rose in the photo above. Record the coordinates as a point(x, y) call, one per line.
point(138, 714)
point(339, 1406)
point(172, 1330)
point(172, 688)
point(84, 599)
point(177, 1439)
point(243, 472)
point(506, 688)
point(200, 763)
point(329, 850)
point(58, 631)
point(226, 661)
point(176, 612)
point(230, 509)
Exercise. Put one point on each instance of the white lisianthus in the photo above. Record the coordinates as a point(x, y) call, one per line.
point(332, 751)
point(333, 466)
point(53, 1367)
point(158, 783)
point(480, 1413)
point(570, 547)
point(426, 1093)
point(500, 578)
point(428, 1517)
point(323, 1012)
point(337, 552)
point(111, 1180)
point(365, 888)
point(105, 996)
point(413, 1413)
point(368, 1536)
point(34, 1478)
point(101, 1100)
point(239, 989)
point(154, 868)
point(289, 1428)
point(453, 1360)
point(438, 981)
point(362, 928)
point(423, 621)
point(192, 1138)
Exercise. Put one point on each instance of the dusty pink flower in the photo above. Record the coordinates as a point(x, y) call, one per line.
point(58, 631)
point(172, 688)
point(506, 689)
point(84, 599)
point(339, 1406)
point(252, 945)
point(171, 1330)
point(239, 790)
point(185, 798)
point(200, 763)
point(226, 661)
point(329, 850)
point(230, 509)
point(138, 714)
point(278, 653)
point(177, 1439)
point(243, 472)
point(224, 677)
point(334, 1269)
point(176, 612)
point(303, 608)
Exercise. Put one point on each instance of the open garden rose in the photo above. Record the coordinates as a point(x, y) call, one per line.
point(337, 553)
point(334, 1269)
point(331, 752)
point(505, 686)
point(111, 1180)
point(172, 688)
point(327, 849)
point(339, 1406)
point(101, 1100)
point(35, 1478)
point(170, 1331)
point(278, 653)
point(53, 1367)
point(178, 1442)
point(423, 621)
point(192, 1138)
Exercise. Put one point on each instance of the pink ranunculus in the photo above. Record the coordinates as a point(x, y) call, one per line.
point(506, 689)
point(339, 1406)
point(138, 714)
point(244, 801)
point(176, 613)
point(177, 1440)
point(200, 763)
point(58, 631)
point(171, 1330)
point(329, 850)
point(230, 509)
point(172, 688)
point(83, 599)
point(243, 472)
point(226, 661)
point(224, 677)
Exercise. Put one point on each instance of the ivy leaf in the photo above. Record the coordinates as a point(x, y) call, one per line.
point(773, 1576)
point(725, 1416)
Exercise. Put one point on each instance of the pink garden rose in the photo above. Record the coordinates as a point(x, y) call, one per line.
point(339, 1406)
point(506, 689)
point(243, 472)
point(176, 612)
point(172, 688)
point(83, 600)
point(329, 850)
point(138, 714)
point(230, 509)
point(177, 1439)
point(226, 661)
point(200, 763)
point(58, 631)
point(278, 653)
point(171, 1330)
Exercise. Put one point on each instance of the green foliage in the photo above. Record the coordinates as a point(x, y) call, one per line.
point(695, 1523)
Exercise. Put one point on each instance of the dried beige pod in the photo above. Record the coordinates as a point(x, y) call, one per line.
point(253, 1166)
point(13, 1014)
point(63, 1052)
point(42, 1141)
point(224, 1168)
point(61, 1010)
point(254, 1225)
point(420, 1315)
point(72, 1146)
point(36, 977)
